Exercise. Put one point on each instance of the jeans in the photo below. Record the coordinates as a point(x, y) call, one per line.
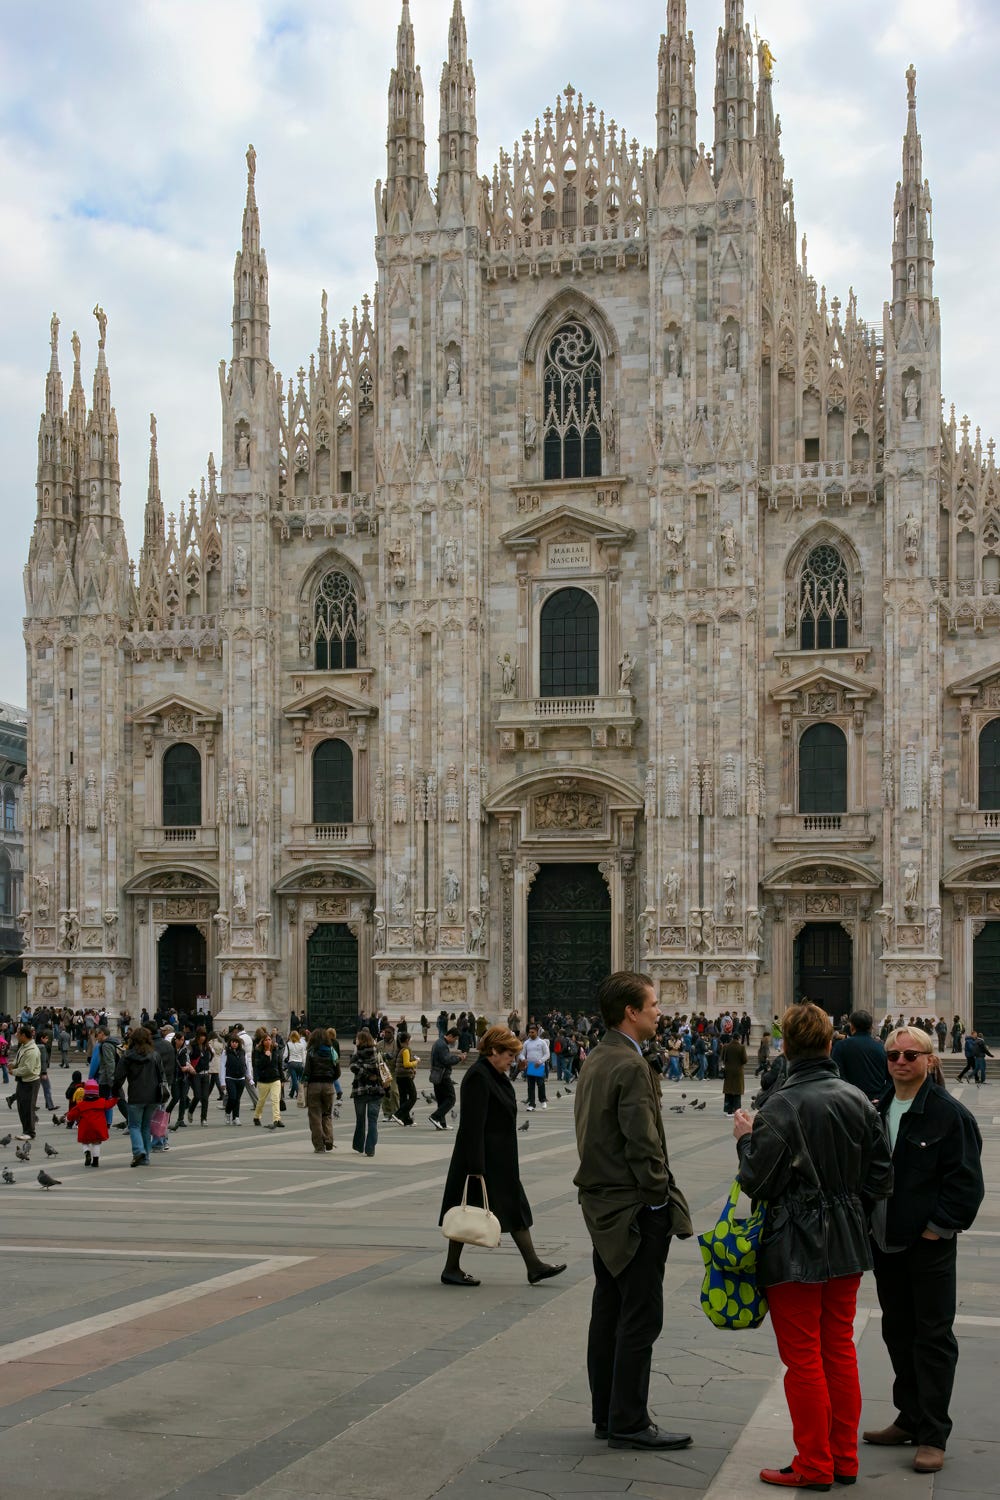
point(47, 1091)
point(979, 1069)
point(140, 1117)
point(366, 1113)
point(814, 1328)
point(294, 1079)
point(917, 1293)
point(234, 1093)
point(675, 1067)
point(626, 1318)
point(702, 1066)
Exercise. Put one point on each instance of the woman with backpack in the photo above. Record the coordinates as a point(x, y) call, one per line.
point(367, 1091)
point(140, 1073)
point(319, 1077)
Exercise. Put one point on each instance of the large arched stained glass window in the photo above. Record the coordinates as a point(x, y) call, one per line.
point(823, 770)
point(335, 623)
point(333, 783)
point(570, 656)
point(573, 404)
point(181, 787)
point(823, 601)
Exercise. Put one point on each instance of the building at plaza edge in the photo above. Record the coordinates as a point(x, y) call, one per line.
point(603, 592)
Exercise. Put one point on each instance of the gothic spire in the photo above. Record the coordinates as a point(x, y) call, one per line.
point(457, 135)
point(102, 478)
point(153, 530)
point(405, 145)
point(251, 326)
point(676, 105)
point(912, 248)
point(53, 381)
point(733, 91)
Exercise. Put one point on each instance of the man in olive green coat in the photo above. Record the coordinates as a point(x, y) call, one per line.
point(632, 1207)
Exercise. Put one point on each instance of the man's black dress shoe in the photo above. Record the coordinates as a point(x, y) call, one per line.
point(601, 1434)
point(649, 1437)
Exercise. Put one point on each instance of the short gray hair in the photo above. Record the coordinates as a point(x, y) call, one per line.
point(926, 1043)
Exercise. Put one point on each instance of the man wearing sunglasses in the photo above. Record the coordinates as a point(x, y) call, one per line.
point(938, 1187)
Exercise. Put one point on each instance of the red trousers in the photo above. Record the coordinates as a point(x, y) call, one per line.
point(814, 1327)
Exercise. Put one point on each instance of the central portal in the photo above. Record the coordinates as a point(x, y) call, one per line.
point(332, 977)
point(823, 962)
point(569, 938)
point(181, 967)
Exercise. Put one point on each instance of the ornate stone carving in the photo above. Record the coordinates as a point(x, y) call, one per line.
point(242, 799)
point(399, 794)
point(452, 799)
point(911, 778)
point(672, 789)
point(729, 883)
point(911, 884)
point(568, 811)
point(671, 895)
point(69, 930)
point(508, 674)
point(379, 795)
point(649, 795)
point(730, 799)
point(240, 896)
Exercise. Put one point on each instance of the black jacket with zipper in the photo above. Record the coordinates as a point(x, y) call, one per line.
point(937, 1166)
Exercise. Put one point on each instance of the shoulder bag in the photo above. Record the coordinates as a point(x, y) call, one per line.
point(470, 1225)
point(730, 1296)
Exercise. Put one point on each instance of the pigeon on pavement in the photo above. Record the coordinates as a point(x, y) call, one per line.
point(6, 1140)
point(525, 1125)
point(50, 1150)
point(48, 1181)
point(23, 1152)
point(8, 1175)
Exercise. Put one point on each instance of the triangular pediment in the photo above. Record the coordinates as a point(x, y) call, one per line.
point(172, 706)
point(823, 680)
point(973, 685)
point(327, 699)
point(570, 524)
point(701, 188)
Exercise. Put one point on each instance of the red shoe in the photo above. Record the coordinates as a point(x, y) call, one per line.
point(790, 1480)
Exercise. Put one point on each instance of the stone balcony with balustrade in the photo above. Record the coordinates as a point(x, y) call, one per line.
point(817, 831)
point(199, 841)
point(977, 829)
point(342, 838)
point(609, 720)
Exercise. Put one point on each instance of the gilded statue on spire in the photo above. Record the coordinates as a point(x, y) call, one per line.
point(767, 61)
point(102, 324)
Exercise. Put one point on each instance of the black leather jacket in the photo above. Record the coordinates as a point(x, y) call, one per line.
point(819, 1158)
point(938, 1171)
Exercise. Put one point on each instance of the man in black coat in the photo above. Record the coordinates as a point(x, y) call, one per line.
point(443, 1059)
point(936, 1150)
point(860, 1057)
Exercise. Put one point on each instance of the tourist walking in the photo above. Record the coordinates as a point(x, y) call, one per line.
point(632, 1208)
point(406, 1074)
point(200, 1079)
point(234, 1072)
point(367, 1091)
point(443, 1059)
point(140, 1079)
point(734, 1061)
point(319, 1075)
point(295, 1061)
point(90, 1116)
point(817, 1156)
point(485, 1150)
point(27, 1071)
point(936, 1156)
point(534, 1059)
point(267, 1071)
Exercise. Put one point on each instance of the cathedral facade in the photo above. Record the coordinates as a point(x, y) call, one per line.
point(601, 595)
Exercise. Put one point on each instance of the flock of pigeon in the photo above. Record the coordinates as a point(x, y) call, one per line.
point(23, 1153)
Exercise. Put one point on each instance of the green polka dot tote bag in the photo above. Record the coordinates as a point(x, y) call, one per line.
point(730, 1296)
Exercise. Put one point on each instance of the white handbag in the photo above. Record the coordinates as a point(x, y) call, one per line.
point(470, 1225)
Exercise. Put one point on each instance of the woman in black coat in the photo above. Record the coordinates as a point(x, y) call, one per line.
point(486, 1146)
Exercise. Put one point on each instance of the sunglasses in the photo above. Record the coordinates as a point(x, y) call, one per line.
point(911, 1054)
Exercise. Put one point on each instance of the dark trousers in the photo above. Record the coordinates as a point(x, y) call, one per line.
point(534, 1083)
point(917, 1290)
point(201, 1087)
point(25, 1094)
point(234, 1093)
point(444, 1095)
point(626, 1317)
point(407, 1097)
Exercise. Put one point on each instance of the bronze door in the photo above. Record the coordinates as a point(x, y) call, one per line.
point(823, 954)
point(181, 969)
point(332, 977)
point(986, 982)
point(569, 938)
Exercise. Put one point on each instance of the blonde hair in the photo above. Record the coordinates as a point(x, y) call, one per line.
point(499, 1039)
point(924, 1042)
point(295, 1037)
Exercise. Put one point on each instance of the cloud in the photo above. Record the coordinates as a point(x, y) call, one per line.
point(123, 131)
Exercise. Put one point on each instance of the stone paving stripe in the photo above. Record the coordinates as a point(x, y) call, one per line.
point(86, 1327)
point(102, 1253)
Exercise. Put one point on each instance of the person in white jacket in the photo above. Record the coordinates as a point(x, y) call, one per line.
point(534, 1059)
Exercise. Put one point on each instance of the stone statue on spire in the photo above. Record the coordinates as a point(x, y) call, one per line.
point(54, 333)
point(251, 163)
point(911, 86)
point(76, 347)
point(102, 324)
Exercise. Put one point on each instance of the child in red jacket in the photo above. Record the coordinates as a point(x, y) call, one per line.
point(90, 1115)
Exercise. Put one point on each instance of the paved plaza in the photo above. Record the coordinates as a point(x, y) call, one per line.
point(245, 1318)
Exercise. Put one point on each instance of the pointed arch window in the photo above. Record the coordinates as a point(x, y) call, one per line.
point(333, 783)
point(573, 383)
point(335, 623)
point(989, 767)
point(569, 660)
point(824, 601)
point(181, 787)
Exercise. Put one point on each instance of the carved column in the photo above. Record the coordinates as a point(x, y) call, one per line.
point(961, 966)
point(507, 933)
point(781, 959)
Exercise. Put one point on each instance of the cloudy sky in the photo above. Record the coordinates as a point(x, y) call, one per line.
point(123, 127)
